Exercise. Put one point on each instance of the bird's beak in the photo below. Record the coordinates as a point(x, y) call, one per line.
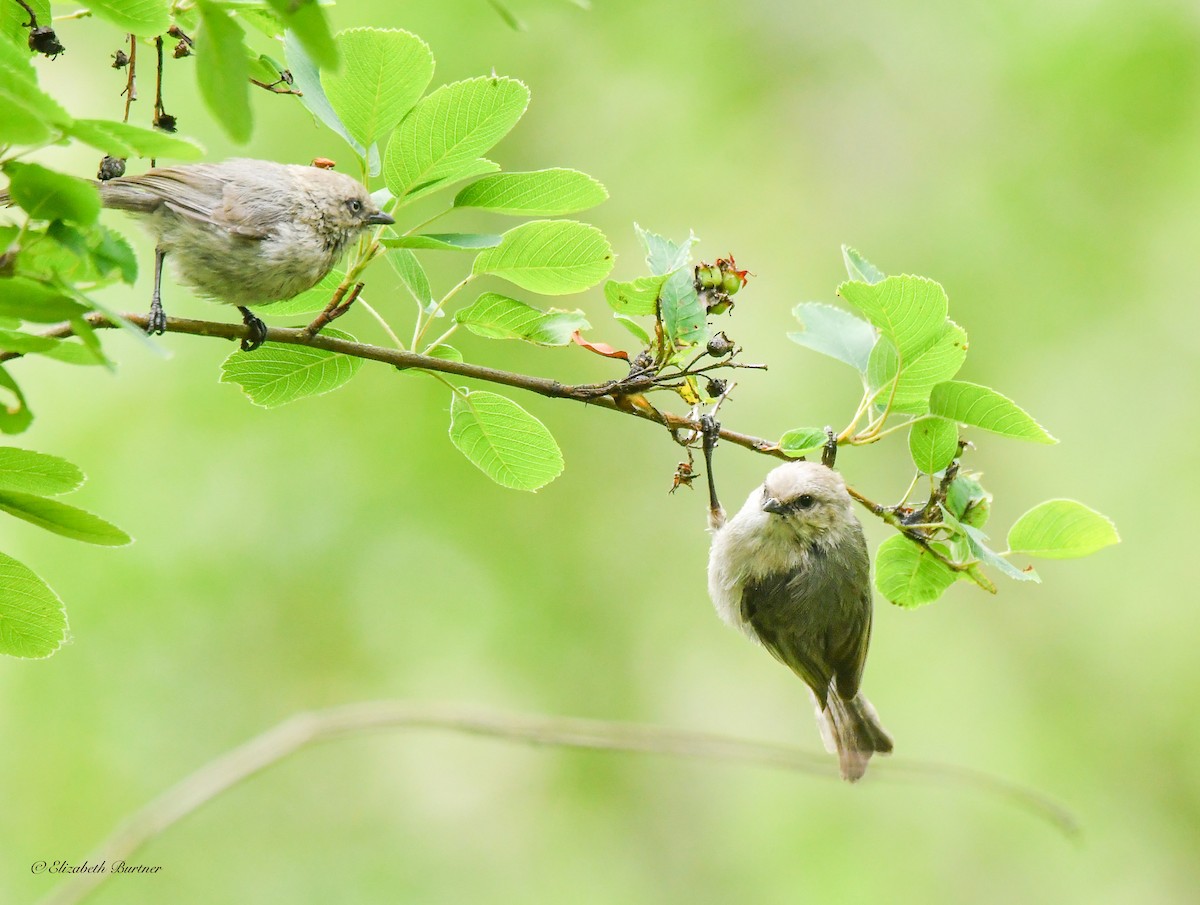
point(379, 218)
point(770, 504)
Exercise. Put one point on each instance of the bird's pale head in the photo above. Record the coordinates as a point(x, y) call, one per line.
point(806, 499)
point(341, 206)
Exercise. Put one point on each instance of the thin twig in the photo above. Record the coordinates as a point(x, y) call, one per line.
point(305, 729)
point(130, 91)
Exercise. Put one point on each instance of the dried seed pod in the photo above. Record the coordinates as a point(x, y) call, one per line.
point(111, 168)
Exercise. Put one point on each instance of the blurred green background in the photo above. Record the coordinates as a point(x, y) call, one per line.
point(1041, 160)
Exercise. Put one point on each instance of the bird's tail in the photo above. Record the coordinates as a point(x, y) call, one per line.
point(851, 729)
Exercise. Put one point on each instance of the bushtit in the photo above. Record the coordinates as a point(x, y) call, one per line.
point(791, 571)
point(246, 232)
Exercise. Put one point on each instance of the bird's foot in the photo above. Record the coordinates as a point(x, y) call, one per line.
point(156, 320)
point(258, 330)
point(710, 428)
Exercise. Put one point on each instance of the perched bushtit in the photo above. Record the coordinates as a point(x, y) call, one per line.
point(246, 232)
point(791, 571)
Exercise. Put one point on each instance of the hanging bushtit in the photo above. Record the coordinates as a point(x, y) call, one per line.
point(246, 232)
point(791, 571)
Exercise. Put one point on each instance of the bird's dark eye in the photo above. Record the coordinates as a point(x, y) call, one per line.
point(806, 501)
point(355, 205)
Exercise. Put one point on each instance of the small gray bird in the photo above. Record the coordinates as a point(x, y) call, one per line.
point(791, 571)
point(246, 232)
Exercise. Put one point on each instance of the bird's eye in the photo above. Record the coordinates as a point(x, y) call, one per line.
point(355, 205)
point(806, 501)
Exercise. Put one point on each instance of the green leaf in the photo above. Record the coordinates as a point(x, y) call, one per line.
point(13, 19)
point(15, 415)
point(444, 353)
point(635, 297)
point(35, 472)
point(444, 241)
point(309, 301)
point(306, 20)
point(542, 193)
point(499, 317)
point(859, 268)
point(910, 311)
point(124, 140)
point(550, 257)
point(33, 623)
point(933, 444)
point(802, 441)
point(62, 519)
point(980, 406)
point(908, 575)
point(504, 441)
point(834, 332)
point(1061, 529)
point(479, 167)
point(448, 130)
point(145, 18)
point(27, 114)
point(968, 500)
point(977, 544)
point(919, 373)
point(46, 195)
point(683, 314)
point(277, 373)
point(223, 71)
point(413, 276)
point(640, 333)
point(25, 343)
point(662, 255)
point(306, 78)
point(36, 302)
point(386, 72)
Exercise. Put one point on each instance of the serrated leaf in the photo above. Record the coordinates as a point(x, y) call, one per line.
point(444, 241)
point(542, 193)
point(33, 623)
point(977, 544)
point(125, 140)
point(910, 311)
point(408, 268)
point(276, 373)
point(983, 407)
point(222, 70)
point(635, 297)
point(15, 415)
point(500, 317)
point(504, 441)
point(834, 332)
point(36, 302)
point(859, 268)
point(1061, 529)
point(639, 332)
point(479, 167)
point(802, 441)
point(306, 78)
point(60, 518)
point(968, 500)
point(46, 195)
point(684, 316)
point(933, 444)
point(386, 72)
point(550, 257)
point(35, 472)
point(13, 19)
point(909, 575)
point(918, 374)
point(450, 129)
point(27, 114)
point(145, 18)
point(310, 301)
point(306, 20)
point(664, 256)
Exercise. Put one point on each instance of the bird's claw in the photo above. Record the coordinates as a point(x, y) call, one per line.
point(156, 320)
point(258, 331)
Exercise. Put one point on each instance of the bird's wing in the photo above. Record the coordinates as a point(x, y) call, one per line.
point(198, 192)
point(817, 620)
